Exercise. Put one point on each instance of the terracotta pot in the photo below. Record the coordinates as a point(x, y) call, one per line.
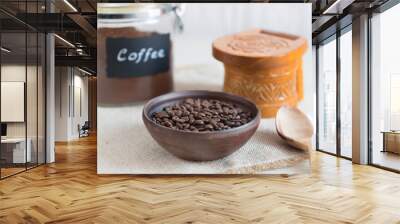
point(263, 66)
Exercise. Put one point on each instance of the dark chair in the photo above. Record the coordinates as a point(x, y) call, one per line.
point(84, 130)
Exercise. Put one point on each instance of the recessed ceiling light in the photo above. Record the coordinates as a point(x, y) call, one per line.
point(64, 40)
point(5, 49)
point(84, 71)
point(337, 7)
point(70, 5)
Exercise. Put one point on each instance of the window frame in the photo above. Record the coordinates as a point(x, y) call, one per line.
point(334, 37)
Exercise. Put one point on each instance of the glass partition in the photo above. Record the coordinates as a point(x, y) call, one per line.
point(23, 89)
point(32, 96)
point(14, 145)
point(41, 97)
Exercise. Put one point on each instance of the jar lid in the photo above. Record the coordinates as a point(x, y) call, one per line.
point(133, 11)
point(249, 46)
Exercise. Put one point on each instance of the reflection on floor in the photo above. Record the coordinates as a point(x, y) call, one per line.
point(387, 159)
point(10, 169)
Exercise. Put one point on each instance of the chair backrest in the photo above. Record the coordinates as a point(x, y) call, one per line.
point(86, 124)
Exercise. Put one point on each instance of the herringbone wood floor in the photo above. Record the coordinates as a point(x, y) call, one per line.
point(69, 191)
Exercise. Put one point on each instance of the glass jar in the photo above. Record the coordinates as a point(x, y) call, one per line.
point(134, 51)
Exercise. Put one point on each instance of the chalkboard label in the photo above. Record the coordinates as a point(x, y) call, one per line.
point(140, 56)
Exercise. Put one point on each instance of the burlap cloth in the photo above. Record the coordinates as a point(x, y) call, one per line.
point(125, 146)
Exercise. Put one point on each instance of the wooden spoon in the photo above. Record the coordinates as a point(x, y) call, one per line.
point(295, 127)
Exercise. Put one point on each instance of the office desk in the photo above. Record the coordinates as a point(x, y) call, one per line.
point(391, 141)
point(13, 150)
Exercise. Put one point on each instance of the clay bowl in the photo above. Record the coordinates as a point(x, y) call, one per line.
point(200, 146)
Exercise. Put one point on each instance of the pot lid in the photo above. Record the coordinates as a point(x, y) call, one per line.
point(248, 46)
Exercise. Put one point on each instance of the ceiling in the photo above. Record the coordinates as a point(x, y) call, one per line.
point(72, 20)
point(332, 15)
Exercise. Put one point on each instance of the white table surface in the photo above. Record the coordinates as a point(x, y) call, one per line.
point(13, 140)
point(19, 150)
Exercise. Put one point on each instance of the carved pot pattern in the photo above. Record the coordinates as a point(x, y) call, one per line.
point(269, 88)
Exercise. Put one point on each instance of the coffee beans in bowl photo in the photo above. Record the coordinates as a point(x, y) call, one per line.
point(201, 125)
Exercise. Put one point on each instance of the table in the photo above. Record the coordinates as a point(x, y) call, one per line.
point(13, 150)
point(391, 141)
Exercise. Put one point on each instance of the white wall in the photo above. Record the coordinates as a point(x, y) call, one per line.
point(15, 72)
point(61, 103)
point(13, 101)
point(67, 115)
point(33, 127)
point(80, 84)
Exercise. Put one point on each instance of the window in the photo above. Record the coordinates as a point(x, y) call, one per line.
point(394, 116)
point(327, 97)
point(385, 89)
point(333, 137)
point(346, 95)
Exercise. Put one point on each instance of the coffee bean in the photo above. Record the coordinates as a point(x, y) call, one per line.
point(225, 110)
point(167, 124)
point(197, 103)
point(205, 104)
point(229, 123)
point(214, 123)
point(209, 126)
point(200, 122)
point(189, 101)
point(162, 114)
point(178, 113)
point(198, 115)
